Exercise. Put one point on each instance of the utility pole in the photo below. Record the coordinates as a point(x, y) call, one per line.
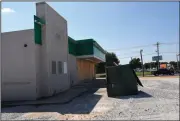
point(157, 55)
point(177, 61)
point(142, 62)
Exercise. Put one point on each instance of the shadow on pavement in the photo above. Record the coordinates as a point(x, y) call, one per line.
point(83, 104)
point(141, 94)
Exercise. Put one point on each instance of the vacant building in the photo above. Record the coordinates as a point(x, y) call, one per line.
point(83, 55)
point(43, 61)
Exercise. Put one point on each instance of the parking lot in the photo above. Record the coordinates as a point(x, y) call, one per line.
point(158, 99)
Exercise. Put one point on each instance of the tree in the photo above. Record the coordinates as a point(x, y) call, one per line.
point(173, 63)
point(153, 64)
point(110, 59)
point(164, 62)
point(147, 65)
point(100, 67)
point(135, 63)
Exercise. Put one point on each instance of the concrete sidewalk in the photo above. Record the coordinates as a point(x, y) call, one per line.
point(61, 98)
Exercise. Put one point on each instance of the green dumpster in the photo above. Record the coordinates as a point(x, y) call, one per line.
point(121, 81)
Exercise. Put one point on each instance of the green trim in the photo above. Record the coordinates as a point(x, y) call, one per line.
point(84, 47)
point(71, 39)
point(38, 30)
point(94, 43)
point(39, 20)
point(98, 53)
point(72, 46)
point(99, 47)
point(80, 48)
point(38, 33)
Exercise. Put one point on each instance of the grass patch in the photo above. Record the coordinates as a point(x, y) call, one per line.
point(141, 73)
point(137, 73)
point(101, 75)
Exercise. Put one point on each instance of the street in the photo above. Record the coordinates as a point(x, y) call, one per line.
point(157, 100)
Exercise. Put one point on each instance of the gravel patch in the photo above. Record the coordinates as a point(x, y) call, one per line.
point(161, 103)
point(157, 100)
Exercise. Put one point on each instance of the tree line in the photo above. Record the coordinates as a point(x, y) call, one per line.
point(135, 63)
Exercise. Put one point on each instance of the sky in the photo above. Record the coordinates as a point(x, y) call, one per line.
point(118, 27)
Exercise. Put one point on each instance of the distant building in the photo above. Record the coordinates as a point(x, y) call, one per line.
point(44, 61)
point(163, 65)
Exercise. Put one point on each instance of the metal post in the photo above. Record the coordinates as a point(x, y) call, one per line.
point(142, 62)
point(158, 55)
point(177, 61)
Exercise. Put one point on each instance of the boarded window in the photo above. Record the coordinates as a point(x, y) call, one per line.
point(60, 67)
point(65, 67)
point(53, 67)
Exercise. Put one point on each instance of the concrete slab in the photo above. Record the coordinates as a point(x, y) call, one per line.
point(61, 98)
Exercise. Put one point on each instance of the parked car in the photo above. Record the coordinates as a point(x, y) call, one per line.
point(177, 71)
point(163, 71)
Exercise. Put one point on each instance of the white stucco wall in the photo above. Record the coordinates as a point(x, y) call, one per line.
point(42, 70)
point(55, 47)
point(73, 70)
point(27, 71)
point(18, 66)
point(0, 56)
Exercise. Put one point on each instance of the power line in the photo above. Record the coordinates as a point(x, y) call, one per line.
point(143, 55)
point(129, 52)
point(157, 44)
point(130, 47)
point(138, 55)
point(168, 52)
point(171, 43)
point(147, 54)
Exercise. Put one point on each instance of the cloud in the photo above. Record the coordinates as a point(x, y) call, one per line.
point(7, 10)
